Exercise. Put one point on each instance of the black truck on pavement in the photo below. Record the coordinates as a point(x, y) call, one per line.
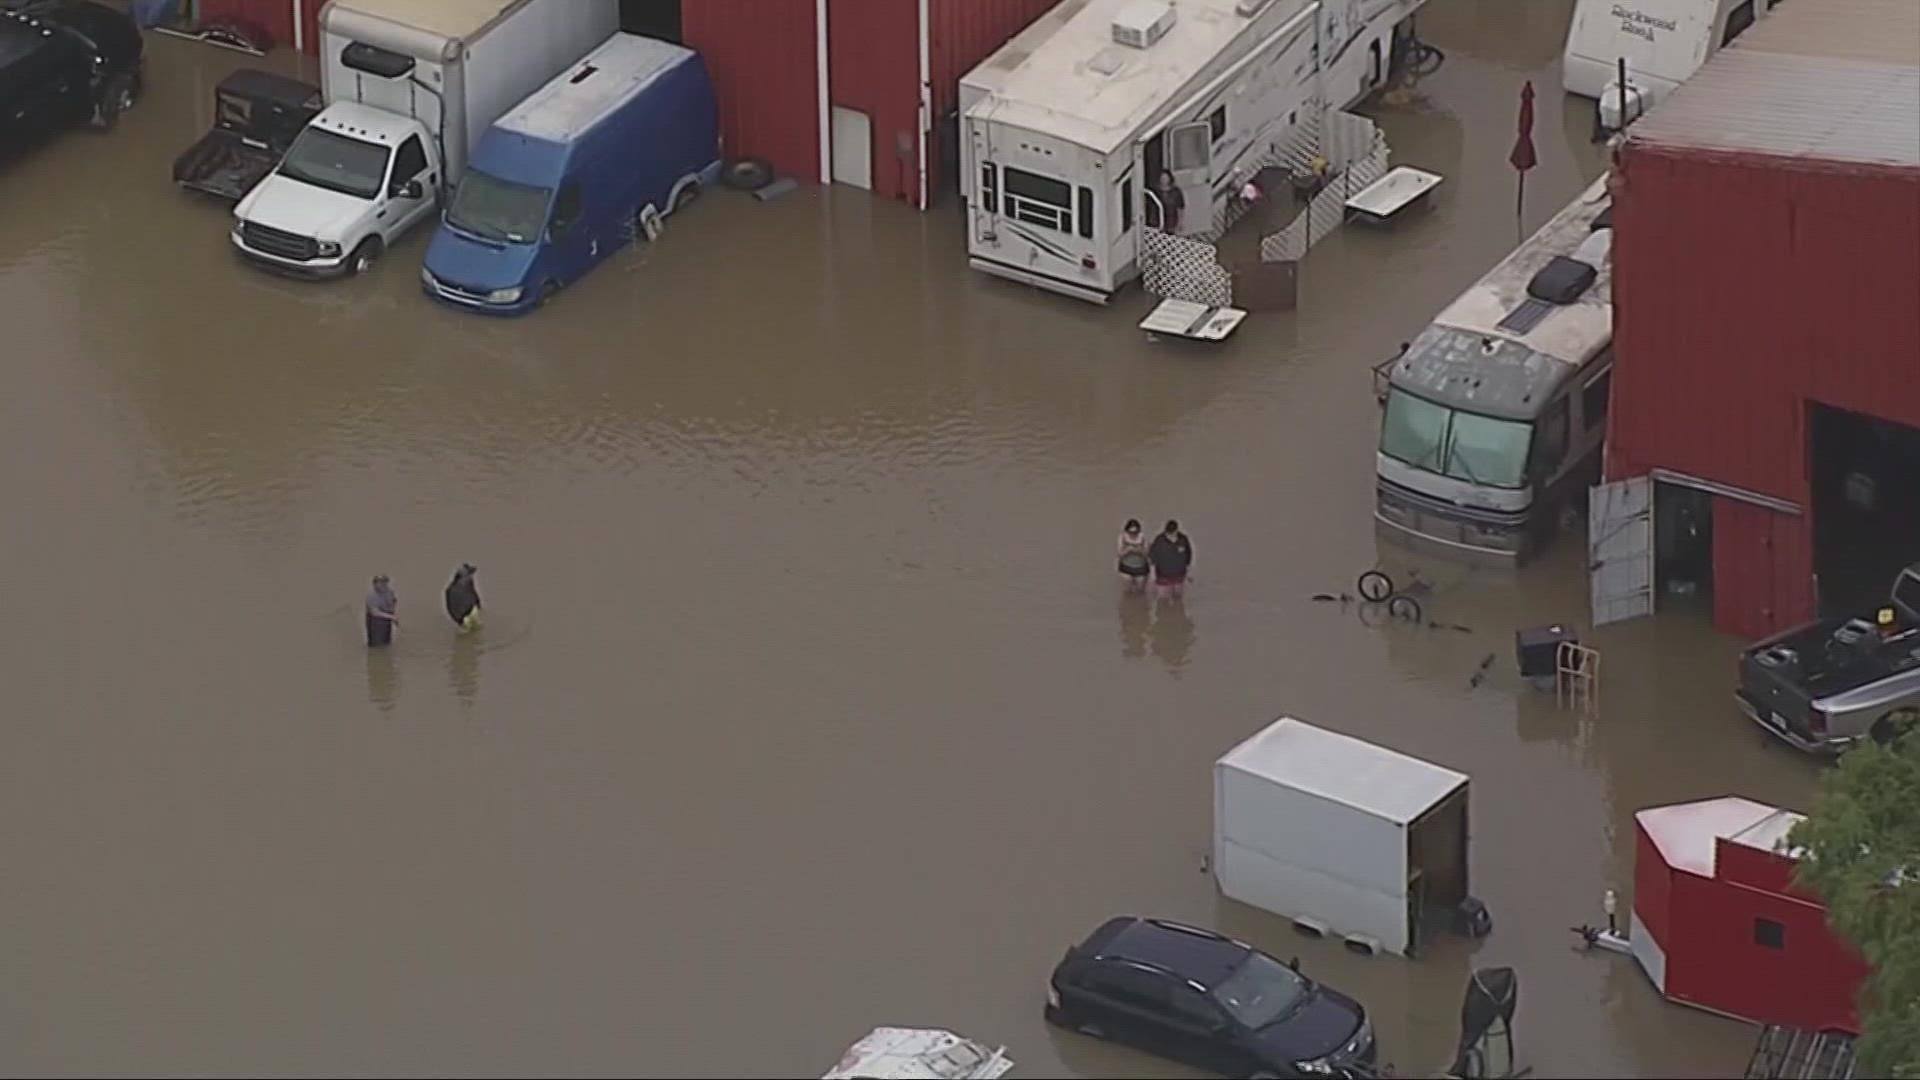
point(1827, 685)
point(63, 63)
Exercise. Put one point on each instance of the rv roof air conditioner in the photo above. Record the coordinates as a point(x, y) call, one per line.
point(1566, 278)
point(1142, 23)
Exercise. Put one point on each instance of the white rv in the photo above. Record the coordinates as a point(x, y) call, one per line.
point(1662, 41)
point(1067, 128)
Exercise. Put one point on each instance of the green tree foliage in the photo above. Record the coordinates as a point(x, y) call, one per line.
point(1862, 845)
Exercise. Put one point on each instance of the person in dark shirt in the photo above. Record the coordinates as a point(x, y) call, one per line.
point(1172, 202)
point(463, 598)
point(382, 612)
point(1172, 557)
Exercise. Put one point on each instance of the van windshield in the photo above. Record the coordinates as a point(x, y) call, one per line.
point(333, 161)
point(1481, 450)
point(495, 209)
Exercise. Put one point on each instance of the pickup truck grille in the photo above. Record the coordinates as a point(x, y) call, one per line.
point(275, 242)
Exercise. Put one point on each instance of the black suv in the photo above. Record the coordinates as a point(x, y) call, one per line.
point(64, 62)
point(1207, 1001)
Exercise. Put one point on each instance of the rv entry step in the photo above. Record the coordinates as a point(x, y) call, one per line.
point(1380, 201)
point(1187, 319)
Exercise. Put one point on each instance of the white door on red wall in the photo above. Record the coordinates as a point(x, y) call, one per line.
point(852, 148)
point(1620, 549)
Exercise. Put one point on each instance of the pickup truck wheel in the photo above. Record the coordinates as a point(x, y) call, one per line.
point(364, 256)
point(1896, 724)
point(116, 97)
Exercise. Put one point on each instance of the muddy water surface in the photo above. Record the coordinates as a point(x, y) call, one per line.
point(807, 700)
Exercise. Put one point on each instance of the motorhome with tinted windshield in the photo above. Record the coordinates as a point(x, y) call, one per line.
point(1066, 130)
point(1496, 413)
point(1662, 41)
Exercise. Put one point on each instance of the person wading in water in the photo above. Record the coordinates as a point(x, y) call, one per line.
point(463, 598)
point(1172, 556)
point(382, 608)
point(1133, 555)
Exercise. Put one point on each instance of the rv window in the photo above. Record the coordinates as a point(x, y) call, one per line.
point(1086, 212)
point(1593, 401)
point(1490, 453)
point(1126, 205)
point(1738, 20)
point(1217, 123)
point(1413, 431)
point(989, 190)
point(1038, 200)
point(1769, 934)
point(1551, 447)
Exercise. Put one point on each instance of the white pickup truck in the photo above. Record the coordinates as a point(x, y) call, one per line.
point(409, 86)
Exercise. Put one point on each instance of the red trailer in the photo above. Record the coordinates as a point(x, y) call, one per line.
point(1718, 924)
point(1764, 437)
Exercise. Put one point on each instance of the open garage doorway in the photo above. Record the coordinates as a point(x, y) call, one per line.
point(1866, 510)
point(1683, 547)
point(651, 18)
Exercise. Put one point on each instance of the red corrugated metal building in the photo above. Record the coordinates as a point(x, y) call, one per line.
point(1767, 313)
point(1718, 924)
point(876, 81)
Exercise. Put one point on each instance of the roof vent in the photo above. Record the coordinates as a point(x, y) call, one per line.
point(1142, 23)
point(1107, 61)
point(1562, 280)
point(1247, 9)
point(582, 75)
point(1525, 317)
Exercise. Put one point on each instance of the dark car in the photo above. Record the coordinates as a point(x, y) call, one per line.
point(64, 62)
point(1207, 1001)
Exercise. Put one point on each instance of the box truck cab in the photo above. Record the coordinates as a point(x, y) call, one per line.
point(353, 180)
point(572, 173)
point(1662, 41)
point(409, 86)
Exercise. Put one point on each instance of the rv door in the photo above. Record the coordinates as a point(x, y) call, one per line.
point(1190, 160)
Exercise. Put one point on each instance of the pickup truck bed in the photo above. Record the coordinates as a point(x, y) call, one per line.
point(224, 165)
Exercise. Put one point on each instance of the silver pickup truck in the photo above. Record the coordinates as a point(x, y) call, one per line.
point(1827, 685)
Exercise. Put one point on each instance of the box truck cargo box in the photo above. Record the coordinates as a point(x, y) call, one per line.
point(1322, 827)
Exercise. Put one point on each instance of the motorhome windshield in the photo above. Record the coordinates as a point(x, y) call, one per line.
point(500, 210)
point(330, 160)
point(1481, 450)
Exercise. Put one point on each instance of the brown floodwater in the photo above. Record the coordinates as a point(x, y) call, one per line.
point(808, 700)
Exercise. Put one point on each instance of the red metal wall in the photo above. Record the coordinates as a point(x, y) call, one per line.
point(1652, 887)
point(873, 57)
point(273, 16)
point(960, 34)
point(1745, 286)
point(761, 54)
point(1762, 568)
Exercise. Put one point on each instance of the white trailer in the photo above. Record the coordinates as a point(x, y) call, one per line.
point(1662, 41)
point(472, 60)
point(1068, 128)
point(1338, 834)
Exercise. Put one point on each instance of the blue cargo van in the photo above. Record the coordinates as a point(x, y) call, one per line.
point(624, 137)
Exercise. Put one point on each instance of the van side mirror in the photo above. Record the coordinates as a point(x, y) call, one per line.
point(1294, 964)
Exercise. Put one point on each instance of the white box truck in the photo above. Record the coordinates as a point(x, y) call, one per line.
point(1339, 834)
point(410, 85)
